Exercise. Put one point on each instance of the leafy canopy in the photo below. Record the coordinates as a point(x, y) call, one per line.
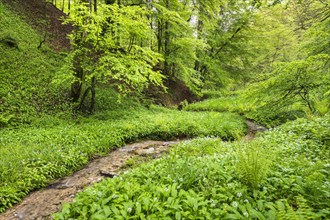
point(107, 46)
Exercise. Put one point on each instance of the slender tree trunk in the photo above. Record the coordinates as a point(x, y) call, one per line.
point(93, 93)
point(76, 87)
point(90, 5)
point(95, 6)
point(85, 105)
point(63, 3)
point(166, 44)
point(199, 30)
point(159, 36)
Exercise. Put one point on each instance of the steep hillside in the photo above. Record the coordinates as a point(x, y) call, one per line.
point(26, 71)
point(45, 18)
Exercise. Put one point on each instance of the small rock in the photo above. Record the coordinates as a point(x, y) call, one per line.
point(150, 151)
point(20, 215)
point(261, 128)
point(107, 174)
point(144, 152)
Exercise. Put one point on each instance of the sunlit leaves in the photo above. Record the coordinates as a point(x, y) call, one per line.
point(113, 44)
point(301, 80)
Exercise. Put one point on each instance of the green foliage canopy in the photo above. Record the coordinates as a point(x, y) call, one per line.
point(108, 46)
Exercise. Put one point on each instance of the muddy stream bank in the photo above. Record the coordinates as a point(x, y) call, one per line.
point(41, 204)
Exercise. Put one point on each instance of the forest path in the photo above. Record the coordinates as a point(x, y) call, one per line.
point(41, 204)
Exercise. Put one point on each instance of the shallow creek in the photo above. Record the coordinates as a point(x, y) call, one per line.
point(41, 204)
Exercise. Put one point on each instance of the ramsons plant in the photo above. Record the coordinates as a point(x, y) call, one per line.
point(202, 179)
point(32, 156)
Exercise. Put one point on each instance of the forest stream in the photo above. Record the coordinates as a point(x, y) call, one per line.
point(41, 204)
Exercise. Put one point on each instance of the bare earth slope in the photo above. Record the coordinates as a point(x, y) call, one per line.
point(45, 18)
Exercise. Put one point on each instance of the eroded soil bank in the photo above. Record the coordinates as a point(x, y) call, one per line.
point(41, 204)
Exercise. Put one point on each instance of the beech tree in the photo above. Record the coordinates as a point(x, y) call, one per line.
point(301, 78)
point(106, 48)
point(200, 41)
point(203, 44)
point(226, 28)
point(176, 41)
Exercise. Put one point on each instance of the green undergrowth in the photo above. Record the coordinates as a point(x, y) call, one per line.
point(243, 106)
point(26, 72)
point(32, 156)
point(282, 174)
point(220, 104)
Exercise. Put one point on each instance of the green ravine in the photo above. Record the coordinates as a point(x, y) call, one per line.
point(199, 71)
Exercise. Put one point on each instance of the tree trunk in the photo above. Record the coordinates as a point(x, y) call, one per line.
point(159, 36)
point(95, 6)
point(84, 104)
point(199, 30)
point(63, 3)
point(90, 5)
point(109, 2)
point(93, 93)
point(166, 44)
point(76, 87)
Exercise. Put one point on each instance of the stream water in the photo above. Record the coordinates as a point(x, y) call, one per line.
point(42, 203)
point(39, 205)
